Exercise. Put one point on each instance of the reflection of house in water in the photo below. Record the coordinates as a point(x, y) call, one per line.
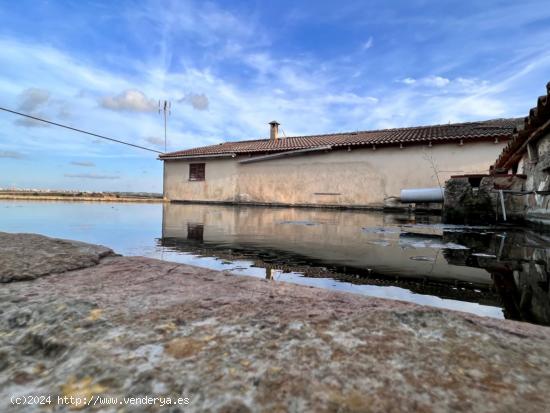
point(195, 232)
point(492, 267)
point(362, 247)
point(518, 261)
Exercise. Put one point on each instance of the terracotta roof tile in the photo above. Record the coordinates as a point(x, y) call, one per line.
point(491, 129)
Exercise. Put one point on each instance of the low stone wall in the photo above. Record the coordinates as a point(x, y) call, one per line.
point(473, 201)
point(137, 327)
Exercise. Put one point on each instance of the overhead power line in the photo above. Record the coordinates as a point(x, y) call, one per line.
point(78, 130)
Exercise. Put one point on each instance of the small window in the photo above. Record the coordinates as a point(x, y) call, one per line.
point(196, 172)
point(195, 232)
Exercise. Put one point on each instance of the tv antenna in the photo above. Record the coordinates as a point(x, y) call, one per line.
point(165, 106)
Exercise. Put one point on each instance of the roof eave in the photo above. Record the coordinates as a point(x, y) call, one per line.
point(191, 157)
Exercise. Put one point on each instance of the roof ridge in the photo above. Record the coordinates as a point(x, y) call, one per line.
point(231, 146)
point(406, 128)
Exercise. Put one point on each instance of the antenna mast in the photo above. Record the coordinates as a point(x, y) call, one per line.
point(165, 107)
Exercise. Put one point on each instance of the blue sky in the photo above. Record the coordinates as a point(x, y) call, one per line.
point(230, 67)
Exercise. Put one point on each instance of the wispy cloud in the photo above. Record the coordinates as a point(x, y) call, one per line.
point(85, 164)
point(368, 44)
point(198, 101)
point(91, 176)
point(154, 140)
point(432, 81)
point(12, 155)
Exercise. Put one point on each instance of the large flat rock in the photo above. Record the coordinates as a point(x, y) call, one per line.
point(29, 256)
point(133, 326)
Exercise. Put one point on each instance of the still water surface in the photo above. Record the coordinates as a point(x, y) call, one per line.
point(490, 271)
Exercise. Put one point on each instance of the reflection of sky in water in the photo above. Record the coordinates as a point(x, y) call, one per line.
point(133, 229)
point(395, 293)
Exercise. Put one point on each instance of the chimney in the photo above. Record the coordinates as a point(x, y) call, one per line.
point(274, 130)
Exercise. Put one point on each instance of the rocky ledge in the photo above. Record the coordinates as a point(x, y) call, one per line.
point(28, 256)
point(100, 327)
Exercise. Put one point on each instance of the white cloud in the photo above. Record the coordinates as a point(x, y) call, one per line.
point(368, 44)
point(436, 81)
point(461, 100)
point(349, 99)
point(429, 81)
point(130, 100)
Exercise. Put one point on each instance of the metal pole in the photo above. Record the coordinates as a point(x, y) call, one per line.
point(164, 126)
point(502, 204)
point(166, 107)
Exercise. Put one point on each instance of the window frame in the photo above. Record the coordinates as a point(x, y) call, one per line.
point(197, 176)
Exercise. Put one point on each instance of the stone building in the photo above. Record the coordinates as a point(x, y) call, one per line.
point(518, 186)
point(356, 169)
point(529, 152)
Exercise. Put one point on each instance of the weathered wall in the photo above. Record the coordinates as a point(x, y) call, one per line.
point(219, 185)
point(537, 169)
point(360, 177)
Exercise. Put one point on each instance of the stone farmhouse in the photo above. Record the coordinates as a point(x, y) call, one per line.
point(364, 169)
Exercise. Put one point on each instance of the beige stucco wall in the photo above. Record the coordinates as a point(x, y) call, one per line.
point(220, 183)
point(360, 177)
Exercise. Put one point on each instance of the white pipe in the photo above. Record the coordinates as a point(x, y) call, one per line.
point(418, 195)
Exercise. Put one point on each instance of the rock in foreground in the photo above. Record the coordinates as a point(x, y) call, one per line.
point(134, 327)
point(29, 256)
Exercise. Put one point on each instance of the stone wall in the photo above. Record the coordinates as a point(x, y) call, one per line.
point(536, 163)
point(471, 203)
